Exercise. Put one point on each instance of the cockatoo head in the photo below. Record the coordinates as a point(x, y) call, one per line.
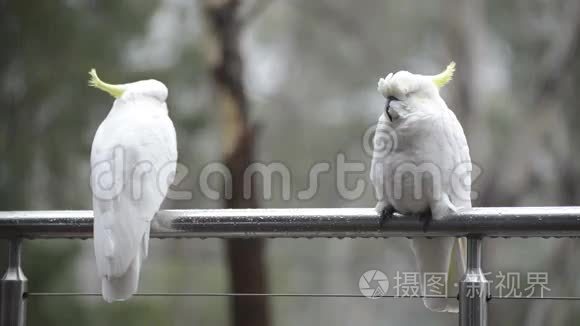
point(407, 93)
point(150, 88)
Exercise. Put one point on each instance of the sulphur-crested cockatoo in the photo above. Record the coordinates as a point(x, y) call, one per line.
point(133, 162)
point(421, 165)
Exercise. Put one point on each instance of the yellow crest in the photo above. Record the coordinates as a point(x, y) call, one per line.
point(114, 90)
point(445, 77)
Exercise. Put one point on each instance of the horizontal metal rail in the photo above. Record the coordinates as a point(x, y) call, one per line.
point(475, 224)
point(309, 223)
point(291, 295)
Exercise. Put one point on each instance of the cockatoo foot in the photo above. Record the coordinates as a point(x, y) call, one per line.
point(386, 212)
point(426, 219)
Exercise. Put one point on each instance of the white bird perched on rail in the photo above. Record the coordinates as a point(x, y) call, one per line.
point(421, 164)
point(133, 162)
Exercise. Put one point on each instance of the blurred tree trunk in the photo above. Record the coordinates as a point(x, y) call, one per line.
point(245, 256)
point(464, 30)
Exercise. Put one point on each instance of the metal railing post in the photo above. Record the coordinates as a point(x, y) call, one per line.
point(473, 288)
point(13, 286)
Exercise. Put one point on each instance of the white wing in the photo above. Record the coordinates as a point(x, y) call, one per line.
point(383, 143)
point(132, 162)
point(460, 192)
point(436, 255)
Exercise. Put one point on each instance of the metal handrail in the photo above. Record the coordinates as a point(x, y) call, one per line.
point(309, 223)
point(475, 224)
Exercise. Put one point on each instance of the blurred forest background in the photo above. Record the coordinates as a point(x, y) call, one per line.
point(309, 70)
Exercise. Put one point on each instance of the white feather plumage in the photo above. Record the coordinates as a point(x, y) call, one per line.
point(427, 137)
point(133, 161)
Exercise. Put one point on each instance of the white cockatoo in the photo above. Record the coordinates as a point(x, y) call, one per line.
point(133, 162)
point(421, 165)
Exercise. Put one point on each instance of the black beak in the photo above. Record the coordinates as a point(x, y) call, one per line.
point(389, 99)
point(387, 111)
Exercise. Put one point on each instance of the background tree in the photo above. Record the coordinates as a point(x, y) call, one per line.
point(245, 256)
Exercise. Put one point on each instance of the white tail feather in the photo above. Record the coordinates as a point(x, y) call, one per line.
point(123, 287)
point(435, 256)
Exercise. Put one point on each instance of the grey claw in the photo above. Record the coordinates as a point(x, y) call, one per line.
point(386, 213)
point(426, 218)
